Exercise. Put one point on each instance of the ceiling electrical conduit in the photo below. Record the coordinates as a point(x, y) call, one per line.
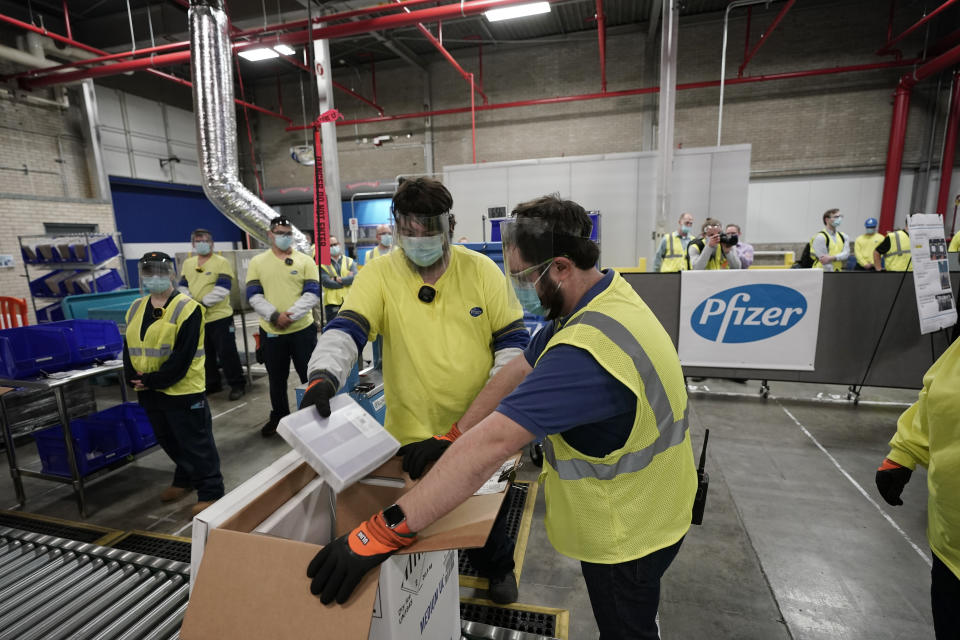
point(898, 131)
point(788, 75)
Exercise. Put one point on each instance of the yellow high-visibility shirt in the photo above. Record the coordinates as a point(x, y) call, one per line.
point(200, 283)
point(436, 355)
point(283, 284)
point(863, 248)
point(954, 243)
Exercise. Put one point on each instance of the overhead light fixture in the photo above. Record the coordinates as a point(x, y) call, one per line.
point(284, 49)
point(256, 55)
point(517, 11)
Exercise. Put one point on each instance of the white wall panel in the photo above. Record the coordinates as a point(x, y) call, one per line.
point(474, 192)
point(529, 181)
point(610, 187)
point(143, 116)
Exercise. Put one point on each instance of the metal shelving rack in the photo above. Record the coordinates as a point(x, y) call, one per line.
point(78, 266)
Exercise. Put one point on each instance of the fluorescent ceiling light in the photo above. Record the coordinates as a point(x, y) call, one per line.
point(255, 55)
point(517, 11)
point(284, 49)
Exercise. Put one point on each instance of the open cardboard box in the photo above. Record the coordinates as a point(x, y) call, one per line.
point(249, 585)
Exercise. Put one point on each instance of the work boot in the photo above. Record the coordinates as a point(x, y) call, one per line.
point(503, 589)
point(200, 506)
point(270, 428)
point(172, 494)
point(237, 392)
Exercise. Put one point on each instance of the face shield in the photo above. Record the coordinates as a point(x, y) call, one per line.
point(424, 239)
point(157, 273)
point(529, 252)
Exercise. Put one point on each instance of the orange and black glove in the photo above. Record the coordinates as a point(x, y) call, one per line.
point(891, 479)
point(338, 567)
point(318, 393)
point(417, 455)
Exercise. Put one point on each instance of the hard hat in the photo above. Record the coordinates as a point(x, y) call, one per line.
point(870, 223)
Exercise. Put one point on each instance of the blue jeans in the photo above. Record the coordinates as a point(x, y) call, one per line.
point(625, 596)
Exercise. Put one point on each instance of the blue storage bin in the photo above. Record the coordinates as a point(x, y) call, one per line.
point(95, 445)
point(88, 340)
point(133, 418)
point(50, 313)
point(40, 289)
point(109, 281)
point(26, 351)
point(99, 250)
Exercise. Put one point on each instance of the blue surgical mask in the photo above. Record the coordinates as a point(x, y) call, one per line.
point(283, 242)
point(156, 284)
point(687, 228)
point(335, 251)
point(529, 300)
point(386, 240)
point(837, 221)
point(203, 248)
point(423, 251)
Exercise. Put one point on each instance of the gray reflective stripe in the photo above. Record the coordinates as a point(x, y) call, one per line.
point(671, 431)
point(134, 306)
point(135, 351)
point(162, 352)
point(198, 354)
point(178, 310)
point(671, 254)
point(900, 250)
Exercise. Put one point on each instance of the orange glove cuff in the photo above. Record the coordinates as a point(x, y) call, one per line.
point(374, 537)
point(451, 435)
point(313, 384)
point(889, 464)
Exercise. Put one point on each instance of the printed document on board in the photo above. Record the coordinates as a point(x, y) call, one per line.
point(931, 273)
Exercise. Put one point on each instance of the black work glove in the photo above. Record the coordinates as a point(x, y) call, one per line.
point(417, 455)
point(338, 568)
point(318, 394)
point(891, 479)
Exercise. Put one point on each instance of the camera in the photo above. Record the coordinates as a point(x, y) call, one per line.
point(729, 239)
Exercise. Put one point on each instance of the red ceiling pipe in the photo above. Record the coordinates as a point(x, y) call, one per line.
point(925, 19)
point(98, 59)
point(898, 132)
point(766, 35)
point(944, 43)
point(242, 103)
point(336, 84)
point(949, 146)
point(789, 75)
point(602, 43)
point(346, 15)
point(66, 19)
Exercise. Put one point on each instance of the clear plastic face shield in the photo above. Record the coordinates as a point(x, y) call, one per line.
point(529, 253)
point(424, 239)
point(157, 275)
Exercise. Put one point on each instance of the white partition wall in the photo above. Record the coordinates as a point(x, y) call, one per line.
point(706, 182)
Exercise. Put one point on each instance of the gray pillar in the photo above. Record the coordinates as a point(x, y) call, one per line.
point(328, 136)
point(668, 98)
point(99, 183)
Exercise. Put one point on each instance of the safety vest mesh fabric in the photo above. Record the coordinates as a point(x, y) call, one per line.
point(148, 354)
point(675, 257)
point(714, 262)
point(337, 296)
point(834, 247)
point(898, 257)
point(637, 499)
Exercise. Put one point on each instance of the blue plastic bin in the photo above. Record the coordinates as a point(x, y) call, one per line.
point(134, 419)
point(100, 250)
point(25, 352)
point(95, 444)
point(50, 313)
point(88, 340)
point(39, 288)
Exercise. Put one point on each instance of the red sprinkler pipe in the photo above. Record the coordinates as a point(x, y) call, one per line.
point(949, 146)
point(766, 36)
point(602, 43)
point(336, 84)
point(789, 75)
point(66, 20)
point(925, 19)
point(346, 15)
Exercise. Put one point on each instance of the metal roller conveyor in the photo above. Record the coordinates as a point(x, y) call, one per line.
point(54, 588)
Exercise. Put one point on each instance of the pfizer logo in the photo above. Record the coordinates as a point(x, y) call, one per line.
point(748, 313)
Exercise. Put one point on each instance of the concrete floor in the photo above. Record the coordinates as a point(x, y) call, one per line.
point(795, 543)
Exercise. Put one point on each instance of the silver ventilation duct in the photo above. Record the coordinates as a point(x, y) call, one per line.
point(211, 65)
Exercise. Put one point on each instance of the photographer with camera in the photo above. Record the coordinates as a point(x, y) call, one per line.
point(715, 250)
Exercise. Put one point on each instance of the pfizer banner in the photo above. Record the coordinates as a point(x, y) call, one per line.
point(751, 319)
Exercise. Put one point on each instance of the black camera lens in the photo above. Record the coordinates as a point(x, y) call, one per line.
point(729, 239)
point(427, 294)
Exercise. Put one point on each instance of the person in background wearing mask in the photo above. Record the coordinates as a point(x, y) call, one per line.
point(708, 253)
point(384, 244)
point(170, 379)
point(603, 384)
point(207, 278)
point(672, 253)
point(282, 278)
point(743, 249)
point(829, 247)
point(448, 324)
point(895, 251)
point(865, 244)
point(336, 279)
point(928, 434)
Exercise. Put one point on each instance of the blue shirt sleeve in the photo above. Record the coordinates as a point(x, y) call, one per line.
point(538, 343)
point(569, 392)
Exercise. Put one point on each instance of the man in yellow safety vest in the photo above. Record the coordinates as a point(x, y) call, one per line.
point(672, 252)
point(336, 279)
point(895, 250)
point(829, 247)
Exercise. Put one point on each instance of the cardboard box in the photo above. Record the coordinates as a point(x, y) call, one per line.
point(252, 586)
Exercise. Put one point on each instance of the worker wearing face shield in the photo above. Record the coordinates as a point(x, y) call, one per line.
point(603, 385)
point(163, 360)
point(448, 324)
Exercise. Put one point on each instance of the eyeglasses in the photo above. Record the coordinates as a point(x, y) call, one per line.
point(522, 277)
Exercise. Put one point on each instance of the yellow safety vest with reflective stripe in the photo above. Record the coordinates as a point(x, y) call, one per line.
point(834, 247)
point(639, 498)
point(897, 258)
point(675, 254)
point(148, 354)
point(863, 248)
point(714, 262)
point(373, 254)
point(336, 296)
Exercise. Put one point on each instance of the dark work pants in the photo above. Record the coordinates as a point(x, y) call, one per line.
point(494, 559)
point(945, 601)
point(220, 348)
point(278, 350)
point(330, 312)
point(625, 596)
point(186, 435)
